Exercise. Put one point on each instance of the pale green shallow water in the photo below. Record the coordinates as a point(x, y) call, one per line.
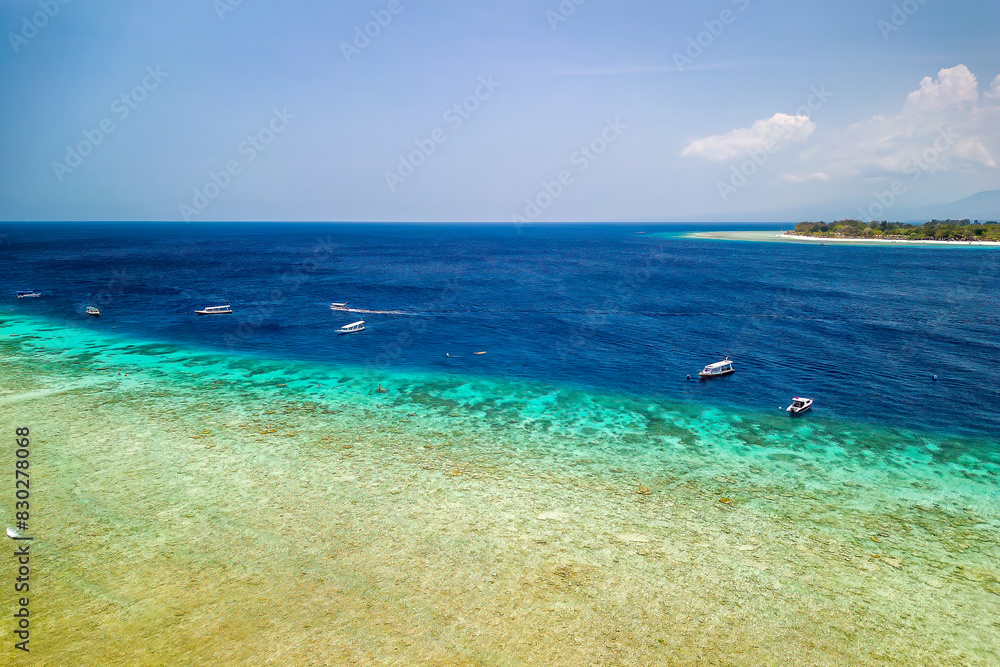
point(196, 508)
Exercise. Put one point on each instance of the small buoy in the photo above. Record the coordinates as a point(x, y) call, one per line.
point(935, 378)
point(688, 377)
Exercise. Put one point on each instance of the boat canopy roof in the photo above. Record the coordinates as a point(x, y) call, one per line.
point(720, 364)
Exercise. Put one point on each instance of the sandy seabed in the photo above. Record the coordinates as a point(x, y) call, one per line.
point(191, 510)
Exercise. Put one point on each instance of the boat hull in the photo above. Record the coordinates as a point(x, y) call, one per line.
point(215, 310)
point(800, 406)
point(707, 376)
point(353, 327)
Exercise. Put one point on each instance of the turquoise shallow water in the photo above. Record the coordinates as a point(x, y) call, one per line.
point(645, 429)
point(599, 307)
point(197, 466)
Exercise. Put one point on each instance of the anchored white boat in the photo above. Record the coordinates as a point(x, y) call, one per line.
point(93, 310)
point(27, 293)
point(353, 327)
point(718, 369)
point(215, 310)
point(799, 405)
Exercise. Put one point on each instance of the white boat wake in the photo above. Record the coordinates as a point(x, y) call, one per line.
point(371, 312)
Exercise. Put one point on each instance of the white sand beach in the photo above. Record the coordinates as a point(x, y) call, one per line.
point(779, 236)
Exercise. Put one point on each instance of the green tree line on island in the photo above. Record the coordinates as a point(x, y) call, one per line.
point(935, 230)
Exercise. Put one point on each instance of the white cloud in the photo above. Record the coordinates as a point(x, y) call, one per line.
point(890, 145)
point(953, 87)
point(804, 178)
point(994, 91)
point(764, 134)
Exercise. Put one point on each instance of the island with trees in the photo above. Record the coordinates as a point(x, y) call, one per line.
point(935, 230)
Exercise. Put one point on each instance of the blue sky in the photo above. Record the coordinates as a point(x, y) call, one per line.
point(540, 111)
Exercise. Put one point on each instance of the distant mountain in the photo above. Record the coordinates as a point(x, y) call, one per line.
point(981, 206)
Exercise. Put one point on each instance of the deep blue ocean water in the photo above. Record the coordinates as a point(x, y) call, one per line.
point(861, 329)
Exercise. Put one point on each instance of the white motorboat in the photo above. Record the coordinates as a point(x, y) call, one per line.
point(353, 327)
point(93, 310)
point(27, 293)
point(718, 369)
point(337, 305)
point(215, 310)
point(799, 405)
